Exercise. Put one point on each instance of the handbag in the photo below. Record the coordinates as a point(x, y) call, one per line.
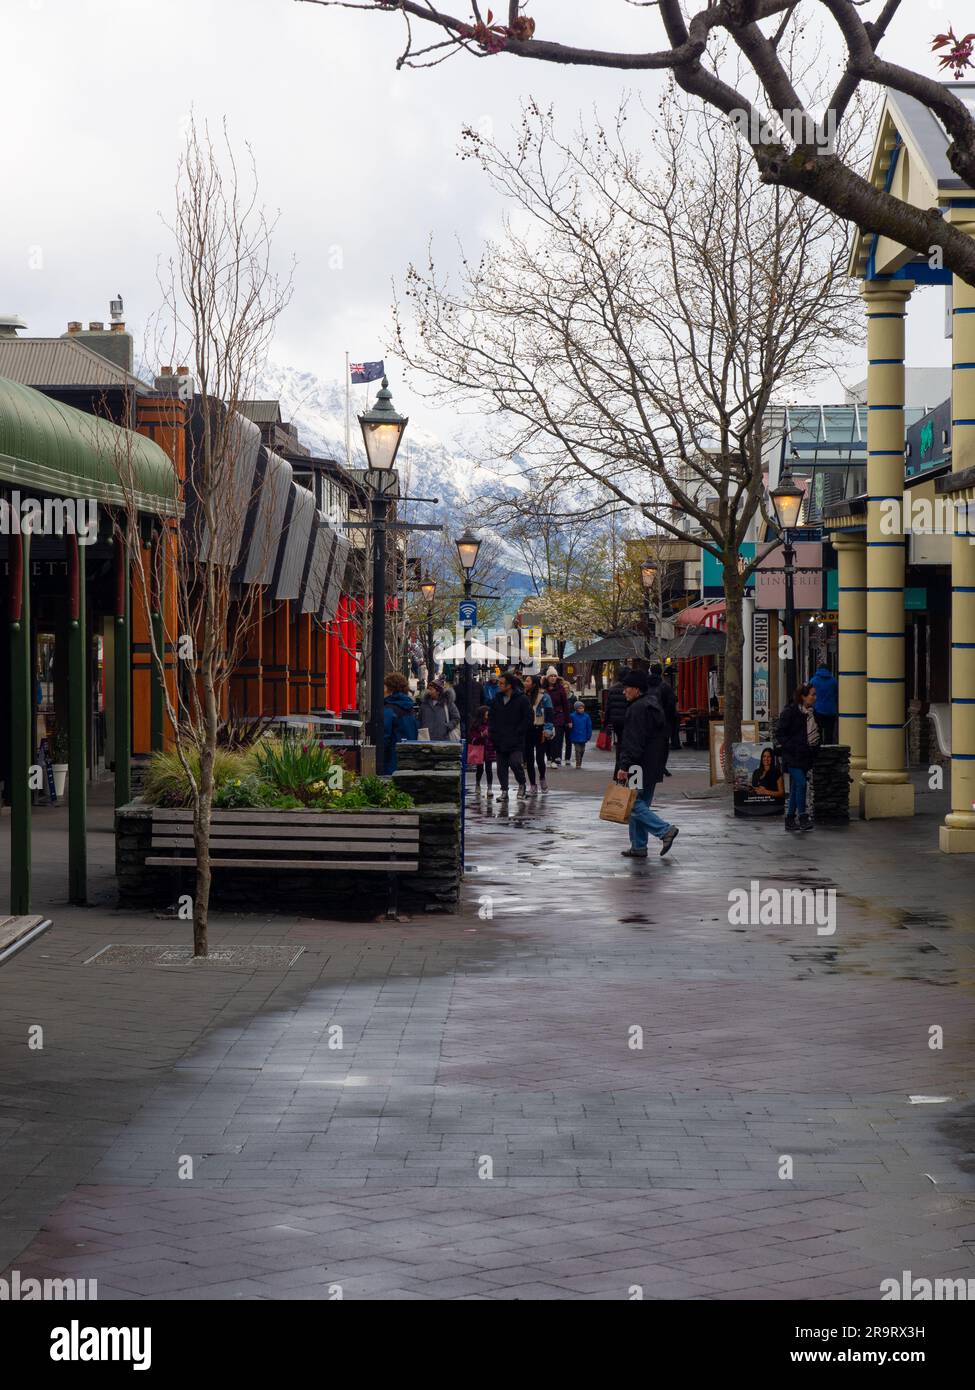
point(604, 739)
point(475, 755)
point(618, 802)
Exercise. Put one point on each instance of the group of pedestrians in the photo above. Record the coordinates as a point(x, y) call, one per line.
point(529, 725)
point(403, 719)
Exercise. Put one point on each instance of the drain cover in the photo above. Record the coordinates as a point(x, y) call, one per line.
point(234, 957)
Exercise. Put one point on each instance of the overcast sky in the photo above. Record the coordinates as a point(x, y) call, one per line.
point(361, 160)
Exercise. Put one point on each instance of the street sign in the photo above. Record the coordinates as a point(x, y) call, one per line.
point(468, 613)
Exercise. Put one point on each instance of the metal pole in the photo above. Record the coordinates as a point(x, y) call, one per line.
point(429, 644)
point(77, 727)
point(788, 557)
point(380, 508)
point(123, 678)
point(466, 711)
point(21, 724)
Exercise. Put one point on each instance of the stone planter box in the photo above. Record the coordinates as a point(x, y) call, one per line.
point(430, 772)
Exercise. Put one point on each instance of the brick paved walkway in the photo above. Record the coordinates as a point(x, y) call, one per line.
point(504, 1041)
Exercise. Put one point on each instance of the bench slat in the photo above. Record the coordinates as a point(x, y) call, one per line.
point(408, 843)
point(16, 932)
point(406, 866)
point(295, 832)
point(377, 819)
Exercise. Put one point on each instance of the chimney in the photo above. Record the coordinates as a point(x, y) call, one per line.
point(74, 326)
point(118, 327)
point(96, 327)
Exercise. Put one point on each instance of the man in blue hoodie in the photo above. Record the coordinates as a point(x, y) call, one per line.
point(399, 717)
point(827, 688)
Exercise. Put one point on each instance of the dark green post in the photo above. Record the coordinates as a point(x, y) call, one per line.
point(123, 677)
point(21, 725)
point(157, 581)
point(77, 725)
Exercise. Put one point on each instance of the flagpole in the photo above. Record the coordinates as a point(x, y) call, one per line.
point(348, 415)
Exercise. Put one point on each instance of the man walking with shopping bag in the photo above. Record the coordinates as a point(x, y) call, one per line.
point(642, 759)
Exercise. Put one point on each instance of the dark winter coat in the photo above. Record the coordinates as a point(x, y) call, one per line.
point(645, 739)
point(439, 716)
point(667, 698)
point(509, 721)
point(616, 707)
point(399, 723)
point(792, 736)
point(561, 711)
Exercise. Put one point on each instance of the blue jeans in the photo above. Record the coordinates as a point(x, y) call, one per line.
point(645, 822)
point(798, 781)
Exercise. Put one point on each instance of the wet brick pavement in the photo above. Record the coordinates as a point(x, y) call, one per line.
point(500, 1041)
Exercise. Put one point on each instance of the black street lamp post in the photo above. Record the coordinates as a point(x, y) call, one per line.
point(428, 588)
point(382, 432)
point(648, 574)
point(467, 547)
point(787, 501)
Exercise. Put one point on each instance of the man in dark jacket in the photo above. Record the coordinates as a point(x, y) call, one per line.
point(509, 720)
point(797, 734)
point(642, 758)
point(668, 701)
point(399, 717)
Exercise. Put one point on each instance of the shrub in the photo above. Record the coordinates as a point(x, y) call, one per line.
point(306, 770)
point(241, 793)
point(166, 782)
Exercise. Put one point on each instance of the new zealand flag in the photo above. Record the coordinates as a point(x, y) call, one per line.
point(366, 371)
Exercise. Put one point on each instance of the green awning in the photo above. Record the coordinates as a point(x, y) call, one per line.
point(52, 448)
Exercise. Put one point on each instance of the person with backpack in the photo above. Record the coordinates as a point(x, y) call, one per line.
point(797, 735)
point(399, 717)
point(580, 732)
point(479, 736)
point(642, 756)
point(509, 720)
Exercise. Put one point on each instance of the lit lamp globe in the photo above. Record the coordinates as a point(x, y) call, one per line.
point(428, 588)
point(787, 501)
point(648, 573)
point(467, 547)
point(382, 430)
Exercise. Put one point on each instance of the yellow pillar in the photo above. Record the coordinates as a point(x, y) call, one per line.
point(851, 550)
point(957, 835)
point(886, 789)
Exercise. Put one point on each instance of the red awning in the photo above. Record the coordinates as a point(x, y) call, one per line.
point(705, 613)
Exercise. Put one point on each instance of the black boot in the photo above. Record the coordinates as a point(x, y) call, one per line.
point(791, 824)
point(805, 823)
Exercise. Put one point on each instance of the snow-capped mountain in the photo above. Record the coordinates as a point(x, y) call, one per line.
point(427, 467)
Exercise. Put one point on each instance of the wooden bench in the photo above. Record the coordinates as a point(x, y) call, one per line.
point(16, 933)
point(308, 840)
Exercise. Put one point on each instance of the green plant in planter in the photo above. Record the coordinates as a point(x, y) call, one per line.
point(243, 793)
point(305, 770)
point(166, 782)
point(59, 745)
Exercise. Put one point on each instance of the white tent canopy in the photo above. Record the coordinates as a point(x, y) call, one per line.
point(479, 651)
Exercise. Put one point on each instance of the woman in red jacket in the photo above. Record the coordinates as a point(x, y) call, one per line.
point(556, 690)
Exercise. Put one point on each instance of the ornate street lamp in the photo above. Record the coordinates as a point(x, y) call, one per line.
point(648, 575)
point(468, 546)
point(428, 587)
point(382, 433)
point(787, 500)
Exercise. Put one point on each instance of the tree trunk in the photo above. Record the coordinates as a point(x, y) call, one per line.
point(734, 647)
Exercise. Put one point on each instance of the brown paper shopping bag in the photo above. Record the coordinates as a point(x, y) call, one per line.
point(617, 803)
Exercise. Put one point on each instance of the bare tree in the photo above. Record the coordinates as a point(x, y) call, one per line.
point(633, 336)
point(791, 148)
point(221, 300)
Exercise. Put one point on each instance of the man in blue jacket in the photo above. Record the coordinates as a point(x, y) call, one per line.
point(826, 687)
point(399, 717)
